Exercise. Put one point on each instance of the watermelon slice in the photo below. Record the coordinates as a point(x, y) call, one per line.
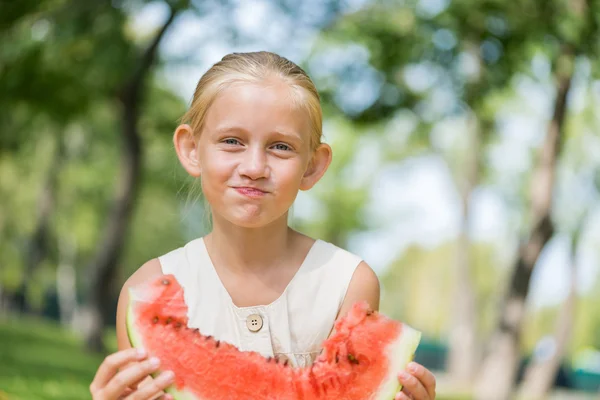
point(359, 361)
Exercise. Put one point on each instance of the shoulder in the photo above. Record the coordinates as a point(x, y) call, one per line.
point(338, 256)
point(149, 270)
point(364, 286)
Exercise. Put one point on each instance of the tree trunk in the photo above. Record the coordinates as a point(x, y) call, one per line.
point(498, 373)
point(66, 282)
point(463, 348)
point(4, 301)
point(101, 272)
point(38, 243)
point(541, 374)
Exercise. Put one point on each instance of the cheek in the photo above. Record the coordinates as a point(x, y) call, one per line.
point(216, 167)
point(289, 175)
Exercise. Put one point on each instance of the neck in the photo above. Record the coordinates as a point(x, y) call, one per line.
point(245, 249)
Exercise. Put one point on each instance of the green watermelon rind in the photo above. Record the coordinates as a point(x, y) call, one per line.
point(401, 352)
point(137, 342)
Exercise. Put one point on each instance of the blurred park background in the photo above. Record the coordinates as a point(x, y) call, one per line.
point(466, 172)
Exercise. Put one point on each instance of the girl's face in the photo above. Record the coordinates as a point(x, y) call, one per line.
point(254, 154)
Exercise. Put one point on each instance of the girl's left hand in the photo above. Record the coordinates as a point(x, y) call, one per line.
point(418, 383)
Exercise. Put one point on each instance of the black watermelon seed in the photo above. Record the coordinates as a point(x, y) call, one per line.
point(285, 363)
point(208, 337)
point(154, 320)
point(218, 343)
point(337, 358)
point(352, 359)
point(168, 321)
point(369, 312)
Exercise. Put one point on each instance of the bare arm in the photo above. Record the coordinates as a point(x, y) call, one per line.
point(364, 285)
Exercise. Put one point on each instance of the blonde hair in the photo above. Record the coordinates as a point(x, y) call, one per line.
point(256, 67)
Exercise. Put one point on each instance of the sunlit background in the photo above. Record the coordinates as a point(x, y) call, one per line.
point(466, 162)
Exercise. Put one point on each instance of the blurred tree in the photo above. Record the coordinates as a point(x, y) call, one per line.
point(414, 53)
point(578, 173)
point(39, 242)
point(500, 367)
point(574, 26)
point(48, 77)
point(103, 267)
point(541, 372)
point(92, 38)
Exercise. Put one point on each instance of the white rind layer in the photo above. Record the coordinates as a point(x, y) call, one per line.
point(401, 353)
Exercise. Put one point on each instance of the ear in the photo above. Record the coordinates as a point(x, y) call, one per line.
point(317, 166)
point(186, 147)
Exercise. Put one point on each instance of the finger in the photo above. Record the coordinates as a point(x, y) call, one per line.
point(128, 376)
point(413, 385)
point(402, 395)
point(425, 376)
point(144, 380)
point(111, 364)
point(153, 388)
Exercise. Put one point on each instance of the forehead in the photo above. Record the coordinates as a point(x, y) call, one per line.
point(259, 108)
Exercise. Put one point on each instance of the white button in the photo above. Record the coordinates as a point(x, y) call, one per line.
point(254, 322)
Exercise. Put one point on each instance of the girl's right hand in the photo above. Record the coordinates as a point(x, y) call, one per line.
point(116, 380)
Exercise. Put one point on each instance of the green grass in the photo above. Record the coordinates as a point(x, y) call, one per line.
point(39, 360)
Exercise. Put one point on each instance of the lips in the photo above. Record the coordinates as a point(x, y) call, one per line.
point(250, 191)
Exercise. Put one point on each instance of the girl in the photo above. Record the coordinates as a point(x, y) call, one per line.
point(253, 138)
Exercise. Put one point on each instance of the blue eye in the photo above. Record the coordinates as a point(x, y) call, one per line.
point(282, 146)
point(231, 141)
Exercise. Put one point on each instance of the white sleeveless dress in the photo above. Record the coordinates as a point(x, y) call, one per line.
point(292, 327)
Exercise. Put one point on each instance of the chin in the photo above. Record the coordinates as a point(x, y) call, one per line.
point(253, 219)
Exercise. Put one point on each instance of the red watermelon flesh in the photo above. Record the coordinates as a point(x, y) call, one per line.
point(360, 360)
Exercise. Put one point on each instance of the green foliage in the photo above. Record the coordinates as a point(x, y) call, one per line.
point(62, 65)
point(56, 61)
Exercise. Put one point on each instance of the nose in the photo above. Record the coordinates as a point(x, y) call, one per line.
point(254, 164)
